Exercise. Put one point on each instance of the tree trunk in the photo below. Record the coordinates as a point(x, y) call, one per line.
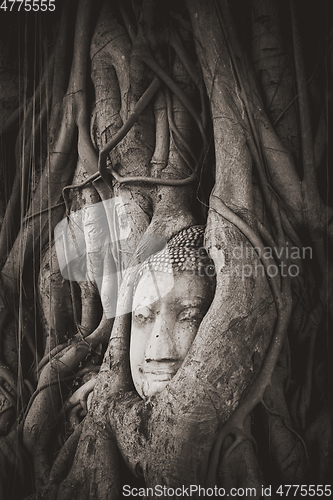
point(148, 118)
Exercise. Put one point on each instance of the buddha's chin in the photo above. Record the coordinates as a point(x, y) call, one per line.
point(153, 387)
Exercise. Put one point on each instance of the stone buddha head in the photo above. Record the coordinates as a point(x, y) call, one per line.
point(172, 293)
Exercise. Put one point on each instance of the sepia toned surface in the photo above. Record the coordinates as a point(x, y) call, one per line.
point(122, 124)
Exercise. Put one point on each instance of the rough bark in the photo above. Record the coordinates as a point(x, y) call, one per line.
point(167, 106)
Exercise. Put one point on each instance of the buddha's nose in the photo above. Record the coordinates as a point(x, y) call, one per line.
point(161, 345)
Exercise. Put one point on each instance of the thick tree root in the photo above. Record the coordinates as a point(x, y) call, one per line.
point(256, 392)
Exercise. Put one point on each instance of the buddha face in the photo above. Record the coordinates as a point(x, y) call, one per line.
point(167, 312)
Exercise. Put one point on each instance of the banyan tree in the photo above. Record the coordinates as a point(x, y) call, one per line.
point(129, 130)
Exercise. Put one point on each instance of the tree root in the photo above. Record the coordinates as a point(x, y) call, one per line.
point(14, 473)
point(177, 44)
point(80, 396)
point(47, 397)
point(222, 209)
point(8, 409)
point(256, 392)
point(178, 135)
point(103, 170)
point(8, 395)
point(75, 416)
point(50, 355)
point(65, 456)
point(289, 429)
point(7, 376)
point(159, 159)
point(240, 467)
point(138, 109)
point(182, 96)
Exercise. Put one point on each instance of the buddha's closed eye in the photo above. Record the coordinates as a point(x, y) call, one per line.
point(143, 315)
point(191, 314)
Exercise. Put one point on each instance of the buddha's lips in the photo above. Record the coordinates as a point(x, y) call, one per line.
point(158, 372)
